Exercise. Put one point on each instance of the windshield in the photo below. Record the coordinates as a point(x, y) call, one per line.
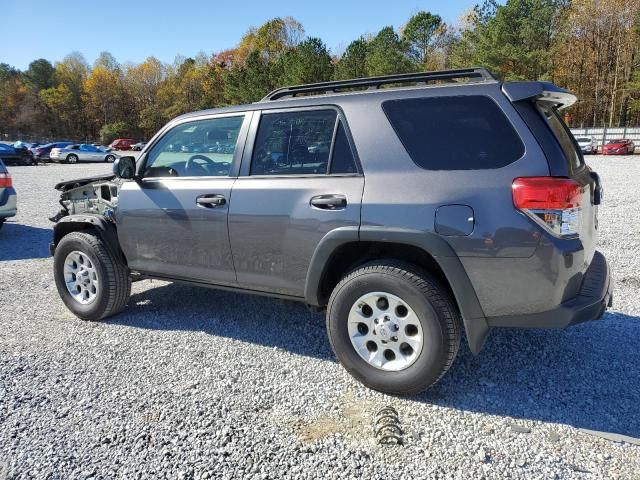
point(620, 140)
point(583, 140)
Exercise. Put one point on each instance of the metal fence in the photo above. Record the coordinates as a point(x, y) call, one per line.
point(603, 135)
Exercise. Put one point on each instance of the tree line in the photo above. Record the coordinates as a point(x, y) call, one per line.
point(591, 47)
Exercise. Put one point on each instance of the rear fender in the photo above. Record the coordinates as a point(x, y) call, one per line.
point(475, 322)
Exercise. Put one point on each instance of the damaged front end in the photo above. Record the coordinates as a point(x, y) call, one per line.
point(93, 195)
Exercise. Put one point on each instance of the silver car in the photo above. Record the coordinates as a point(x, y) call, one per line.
point(8, 198)
point(588, 144)
point(82, 152)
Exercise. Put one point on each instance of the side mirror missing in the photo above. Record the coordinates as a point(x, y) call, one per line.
point(125, 167)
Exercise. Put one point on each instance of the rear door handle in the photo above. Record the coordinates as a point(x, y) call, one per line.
point(211, 200)
point(329, 202)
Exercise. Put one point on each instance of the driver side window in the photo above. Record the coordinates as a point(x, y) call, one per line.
point(201, 148)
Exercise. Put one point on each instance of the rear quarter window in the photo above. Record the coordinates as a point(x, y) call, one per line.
point(454, 133)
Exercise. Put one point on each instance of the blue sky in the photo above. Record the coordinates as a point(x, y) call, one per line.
point(133, 30)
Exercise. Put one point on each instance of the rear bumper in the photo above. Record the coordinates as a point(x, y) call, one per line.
point(596, 294)
point(8, 203)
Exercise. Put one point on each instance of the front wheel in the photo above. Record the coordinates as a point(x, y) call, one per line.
point(393, 327)
point(109, 158)
point(91, 281)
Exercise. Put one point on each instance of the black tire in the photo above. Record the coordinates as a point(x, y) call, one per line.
point(109, 158)
point(72, 158)
point(113, 276)
point(432, 304)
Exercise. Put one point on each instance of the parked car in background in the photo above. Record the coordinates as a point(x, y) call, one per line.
point(8, 197)
point(620, 146)
point(194, 148)
point(15, 156)
point(588, 144)
point(122, 144)
point(41, 152)
point(138, 146)
point(81, 153)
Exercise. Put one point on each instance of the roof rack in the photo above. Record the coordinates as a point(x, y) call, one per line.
point(373, 83)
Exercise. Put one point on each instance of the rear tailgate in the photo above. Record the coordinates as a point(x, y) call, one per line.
point(576, 169)
point(539, 104)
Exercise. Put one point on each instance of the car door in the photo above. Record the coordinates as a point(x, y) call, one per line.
point(299, 180)
point(172, 222)
point(86, 153)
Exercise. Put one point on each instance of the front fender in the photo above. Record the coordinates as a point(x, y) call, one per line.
point(97, 223)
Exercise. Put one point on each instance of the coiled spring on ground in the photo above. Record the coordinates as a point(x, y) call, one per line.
point(387, 429)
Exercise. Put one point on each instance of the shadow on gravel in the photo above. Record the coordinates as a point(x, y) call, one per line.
point(587, 376)
point(22, 242)
point(250, 318)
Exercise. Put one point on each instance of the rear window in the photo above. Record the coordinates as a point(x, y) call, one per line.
point(454, 133)
point(562, 134)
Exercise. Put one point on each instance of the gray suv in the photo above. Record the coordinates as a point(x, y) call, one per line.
point(412, 208)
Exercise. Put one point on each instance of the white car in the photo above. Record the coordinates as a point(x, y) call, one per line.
point(588, 144)
point(81, 152)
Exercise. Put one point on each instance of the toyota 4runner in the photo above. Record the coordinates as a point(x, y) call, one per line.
point(412, 207)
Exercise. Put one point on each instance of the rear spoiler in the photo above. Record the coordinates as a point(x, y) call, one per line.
point(542, 91)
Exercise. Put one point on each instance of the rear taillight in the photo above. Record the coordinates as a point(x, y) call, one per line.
point(5, 180)
point(554, 203)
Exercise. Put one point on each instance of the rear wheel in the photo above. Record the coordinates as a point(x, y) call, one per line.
point(72, 159)
point(393, 327)
point(92, 283)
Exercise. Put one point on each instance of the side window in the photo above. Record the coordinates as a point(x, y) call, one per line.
point(342, 160)
point(454, 133)
point(202, 148)
point(293, 143)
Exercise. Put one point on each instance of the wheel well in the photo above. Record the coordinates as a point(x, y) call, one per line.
point(64, 228)
point(351, 255)
point(106, 232)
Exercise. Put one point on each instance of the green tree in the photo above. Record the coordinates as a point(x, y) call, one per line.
point(386, 54)
point(514, 40)
point(353, 64)
point(40, 74)
point(252, 81)
point(309, 62)
point(111, 131)
point(420, 34)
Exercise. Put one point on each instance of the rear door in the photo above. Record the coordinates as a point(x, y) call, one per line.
point(173, 222)
point(299, 180)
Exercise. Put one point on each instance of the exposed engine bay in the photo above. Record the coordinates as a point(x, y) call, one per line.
point(93, 195)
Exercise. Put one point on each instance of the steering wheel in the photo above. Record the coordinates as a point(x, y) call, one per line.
point(193, 162)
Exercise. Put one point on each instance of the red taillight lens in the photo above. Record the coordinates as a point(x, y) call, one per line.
point(546, 193)
point(554, 203)
point(5, 180)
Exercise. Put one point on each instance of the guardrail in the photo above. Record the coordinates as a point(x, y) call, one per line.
point(603, 135)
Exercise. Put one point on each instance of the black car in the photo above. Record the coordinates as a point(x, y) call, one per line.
point(42, 152)
point(16, 156)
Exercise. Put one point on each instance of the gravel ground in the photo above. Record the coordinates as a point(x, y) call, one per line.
point(196, 383)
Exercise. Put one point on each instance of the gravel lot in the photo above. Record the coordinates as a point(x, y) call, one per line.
point(196, 383)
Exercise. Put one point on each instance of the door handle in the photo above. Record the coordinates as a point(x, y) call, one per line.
point(211, 201)
point(329, 202)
